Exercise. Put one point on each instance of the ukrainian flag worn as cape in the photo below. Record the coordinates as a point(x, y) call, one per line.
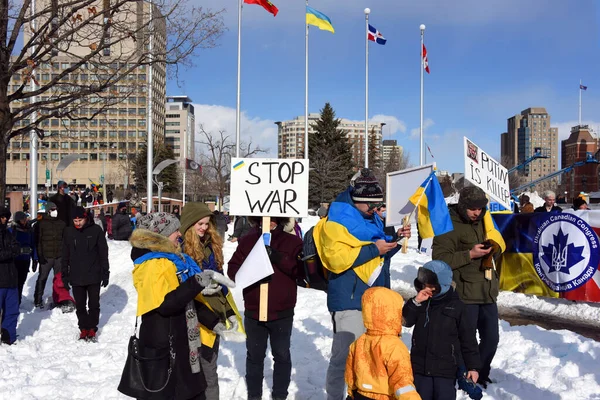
point(340, 237)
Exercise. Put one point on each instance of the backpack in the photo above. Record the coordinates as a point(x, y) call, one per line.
point(315, 274)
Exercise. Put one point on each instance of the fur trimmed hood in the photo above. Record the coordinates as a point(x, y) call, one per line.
point(145, 239)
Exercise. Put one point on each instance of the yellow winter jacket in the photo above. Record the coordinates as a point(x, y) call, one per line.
point(378, 364)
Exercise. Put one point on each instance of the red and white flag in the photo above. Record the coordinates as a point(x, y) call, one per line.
point(425, 62)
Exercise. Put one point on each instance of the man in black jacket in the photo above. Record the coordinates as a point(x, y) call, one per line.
point(48, 234)
point(9, 296)
point(64, 203)
point(85, 267)
point(443, 334)
point(121, 224)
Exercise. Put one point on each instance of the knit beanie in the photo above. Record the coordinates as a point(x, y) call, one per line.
point(122, 204)
point(366, 187)
point(192, 213)
point(472, 198)
point(50, 205)
point(161, 222)
point(19, 216)
point(79, 212)
point(578, 202)
point(5, 212)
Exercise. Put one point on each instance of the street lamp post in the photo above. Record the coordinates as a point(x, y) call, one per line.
point(157, 170)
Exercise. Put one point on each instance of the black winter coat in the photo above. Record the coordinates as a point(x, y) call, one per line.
point(437, 343)
point(84, 255)
point(169, 318)
point(65, 206)
point(121, 226)
point(48, 233)
point(9, 250)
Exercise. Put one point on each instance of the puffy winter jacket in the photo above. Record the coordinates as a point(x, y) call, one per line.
point(24, 235)
point(9, 250)
point(48, 234)
point(84, 255)
point(378, 364)
point(121, 226)
point(453, 248)
point(442, 332)
point(65, 206)
point(161, 304)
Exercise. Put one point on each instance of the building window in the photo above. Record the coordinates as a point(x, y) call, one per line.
point(64, 145)
point(54, 156)
point(93, 157)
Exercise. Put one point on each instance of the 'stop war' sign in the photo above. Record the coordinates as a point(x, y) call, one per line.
point(269, 187)
point(488, 174)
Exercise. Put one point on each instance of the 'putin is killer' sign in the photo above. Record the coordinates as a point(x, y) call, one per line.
point(269, 187)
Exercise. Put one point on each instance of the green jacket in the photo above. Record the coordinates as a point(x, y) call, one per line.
point(453, 248)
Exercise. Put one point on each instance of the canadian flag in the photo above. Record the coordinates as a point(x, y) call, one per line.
point(425, 62)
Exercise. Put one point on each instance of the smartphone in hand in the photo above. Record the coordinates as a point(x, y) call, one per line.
point(486, 244)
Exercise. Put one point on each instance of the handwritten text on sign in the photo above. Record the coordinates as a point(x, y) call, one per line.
point(486, 173)
point(266, 186)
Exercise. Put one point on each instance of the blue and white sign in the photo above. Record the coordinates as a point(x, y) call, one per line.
point(565, 252)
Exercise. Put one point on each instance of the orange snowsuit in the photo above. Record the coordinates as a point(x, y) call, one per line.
point(378, 364)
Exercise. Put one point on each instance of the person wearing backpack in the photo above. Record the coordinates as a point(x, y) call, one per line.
point(353, 247)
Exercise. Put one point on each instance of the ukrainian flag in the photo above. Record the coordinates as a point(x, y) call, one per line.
point(433, 217)
point(318, 19)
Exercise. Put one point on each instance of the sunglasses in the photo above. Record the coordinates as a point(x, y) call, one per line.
point(374, 206)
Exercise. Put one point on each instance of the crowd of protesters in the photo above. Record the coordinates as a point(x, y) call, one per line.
point(186, 306)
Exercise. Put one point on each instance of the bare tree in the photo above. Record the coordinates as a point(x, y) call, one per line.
point(98, 44)
point(216, 154)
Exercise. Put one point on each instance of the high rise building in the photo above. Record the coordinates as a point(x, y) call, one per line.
point(527, 133)
point(290, 137)
point(581, 143)
point(389, 148)
point(105, 133)
point(180, 126)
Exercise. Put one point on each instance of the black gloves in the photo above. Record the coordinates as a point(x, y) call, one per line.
point(34, 265)
point(104, 282)
point(274, 255)
point(66, 283)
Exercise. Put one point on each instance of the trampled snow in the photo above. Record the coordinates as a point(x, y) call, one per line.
point(48, 362)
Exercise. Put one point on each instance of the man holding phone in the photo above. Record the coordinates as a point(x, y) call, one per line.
point(468, 253)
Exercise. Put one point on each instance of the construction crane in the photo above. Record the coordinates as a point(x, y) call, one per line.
point(589, 159)
point(538, 153)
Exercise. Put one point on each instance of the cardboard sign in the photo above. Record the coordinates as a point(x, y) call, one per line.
point(401, 185)
point(486, 173)
point(269, 187)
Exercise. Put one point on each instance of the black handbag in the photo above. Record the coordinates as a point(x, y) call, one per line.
point(147, 371)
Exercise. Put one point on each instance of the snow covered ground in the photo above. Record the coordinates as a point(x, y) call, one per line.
point(48, 362)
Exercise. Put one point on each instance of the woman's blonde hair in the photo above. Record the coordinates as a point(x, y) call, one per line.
point(195, 248)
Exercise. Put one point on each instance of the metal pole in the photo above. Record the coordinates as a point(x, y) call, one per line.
point(150, 145)
point(33, 151)
point(580, 102)
point(306, 90)
point(185, 144)
point(422, 68)
point(367, 12)
point(239, 58)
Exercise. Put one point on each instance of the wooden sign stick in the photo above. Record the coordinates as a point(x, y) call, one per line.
point(263, 307)
point(405, 223)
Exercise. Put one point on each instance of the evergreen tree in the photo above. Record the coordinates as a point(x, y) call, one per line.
point(330, 158)
point(169, 176)
point(375, 160)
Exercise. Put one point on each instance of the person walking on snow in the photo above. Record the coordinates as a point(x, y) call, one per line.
point(9, 292)
point(48, 233)
point(24, 235)
point(63, 203)
point(121, 224)
point(85, 267)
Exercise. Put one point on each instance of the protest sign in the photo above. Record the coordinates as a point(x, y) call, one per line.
point(486, 173)
point(256, 266)
point(401, 185)
point(273, 187)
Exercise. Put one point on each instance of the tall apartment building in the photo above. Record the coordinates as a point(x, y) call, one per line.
point(106, 138)
point(388, 148)
point(290, 137)
point(526, 133)
point(180, 126)
point(576, 147)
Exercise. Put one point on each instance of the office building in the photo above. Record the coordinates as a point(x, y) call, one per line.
point(106, 129)
point(581, 144)
point(180, 127)
point(290, 137)
point(390, 148)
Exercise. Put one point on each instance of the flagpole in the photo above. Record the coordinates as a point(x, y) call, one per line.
point(185, 144)
point(33, 152)
point(239, 56)
point(306, 88)
point(580, 102)
point(367, 12)
point(422, 68)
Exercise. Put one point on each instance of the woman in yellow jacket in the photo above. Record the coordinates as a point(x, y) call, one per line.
point(378, 365)
point(203, 243)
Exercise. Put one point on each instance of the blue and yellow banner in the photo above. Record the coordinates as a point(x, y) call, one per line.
point(433, 217)
point(318, 19)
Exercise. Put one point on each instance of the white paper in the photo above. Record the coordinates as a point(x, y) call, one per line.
point(401, 185)
point(257, 266)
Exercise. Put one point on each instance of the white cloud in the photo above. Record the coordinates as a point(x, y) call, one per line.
point(416, 132)
point(214, 118)
point(394, 125)
point(564, 128)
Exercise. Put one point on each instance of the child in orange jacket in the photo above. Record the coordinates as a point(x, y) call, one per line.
point(378, 365)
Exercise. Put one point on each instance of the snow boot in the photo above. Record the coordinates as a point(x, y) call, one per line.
point(5, 337)
point(91, 336)
point(468, 385)
point(83, 335)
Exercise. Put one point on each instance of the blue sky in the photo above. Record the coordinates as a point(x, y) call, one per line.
point(489, 60)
